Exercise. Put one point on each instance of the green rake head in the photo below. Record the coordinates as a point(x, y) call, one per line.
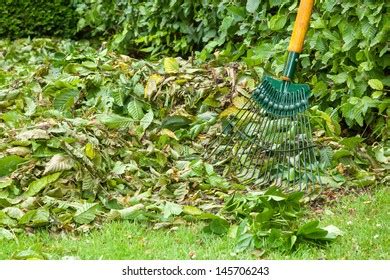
point(269, 140)
point(282, 98)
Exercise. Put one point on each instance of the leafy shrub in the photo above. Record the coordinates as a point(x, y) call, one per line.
point(37, 18)
point(344, 59)
point(151, 26)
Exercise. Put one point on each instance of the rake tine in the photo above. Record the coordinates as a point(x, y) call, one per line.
point(242, 149)
point(279, 162)
point(265, 151)
point(264, 146)
point(296, 153)
point(291, 149)
point(254, 154)
point(311, 150)
point(318, 178)
point(304, 153)
point(253, 142)
point(248, 128)
point(307, 124)
point(300, 150)
point(288, 161)
point(275, 139)
point(285, 154)
point(220, 140)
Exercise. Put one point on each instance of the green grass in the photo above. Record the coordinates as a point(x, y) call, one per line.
point(123, 240)
point(364, 219)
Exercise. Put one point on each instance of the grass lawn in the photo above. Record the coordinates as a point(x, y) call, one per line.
point(364, 218)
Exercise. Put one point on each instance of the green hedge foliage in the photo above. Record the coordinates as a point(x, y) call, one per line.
point(344, 58)
point(37, 18)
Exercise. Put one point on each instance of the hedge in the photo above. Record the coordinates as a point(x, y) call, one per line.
point(37, 18)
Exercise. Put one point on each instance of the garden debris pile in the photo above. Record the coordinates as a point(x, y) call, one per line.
point(88, 135)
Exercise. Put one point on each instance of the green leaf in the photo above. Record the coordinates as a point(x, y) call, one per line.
point(135, 109)
point(89, 64)
point(139, 90)
point(331, 125)
point(244, 242)
point(5, 182)
point(58, 163)
point(375, 84)
point(65, 99)
point(340, 78)
point(376, 94)
point(171, 65)
point(208, 216)
point(326, 156)
point(352, 142)
point(333, 232)
point(90, 151)
point(264, 216)
point(293, 240)
point(6, 220)
point(28, 254)
point(192, 210)
point(217, 226)
point(309, 227)
point(41, 217)
point(30, 106)
point(379, 155)
point(277, 22)
point(120, 167)
point(13, 212)
point(9, 163)
point(171, 209)
point(114, 121)
point(274, 3)
point(39, 184)
point(5, 234)
point(252, 5)
point(86, 213)
point(276, 197)
point(118, 97)
point(129, 213)
point(175, 122)
point(147, 119)
point(26, 218)
point(276, 238)
point(311, 230)
point(274, 194)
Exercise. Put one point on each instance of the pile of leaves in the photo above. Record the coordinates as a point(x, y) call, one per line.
point(88, 136)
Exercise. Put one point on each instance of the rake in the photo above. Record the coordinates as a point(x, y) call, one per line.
point(268, 140)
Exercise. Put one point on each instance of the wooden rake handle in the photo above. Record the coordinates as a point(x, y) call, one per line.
point(301, 25)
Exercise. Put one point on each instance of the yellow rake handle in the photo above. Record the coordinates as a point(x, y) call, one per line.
point(301, 25)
